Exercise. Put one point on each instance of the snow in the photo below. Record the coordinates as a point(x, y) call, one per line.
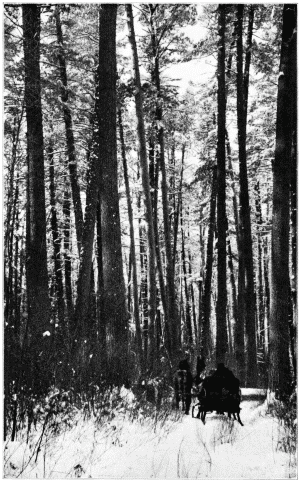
point(165, 446)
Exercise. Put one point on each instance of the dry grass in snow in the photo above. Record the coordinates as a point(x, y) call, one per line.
point(164, 445)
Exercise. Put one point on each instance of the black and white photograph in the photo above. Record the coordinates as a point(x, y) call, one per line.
point(149, 182)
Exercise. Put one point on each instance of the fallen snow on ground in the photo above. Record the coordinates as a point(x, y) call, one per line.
point(175, 447)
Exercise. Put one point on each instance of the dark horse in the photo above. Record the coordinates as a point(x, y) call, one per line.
point(183, 383)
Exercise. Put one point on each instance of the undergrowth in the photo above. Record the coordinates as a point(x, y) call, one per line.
point(61, 413)
point(285, 411)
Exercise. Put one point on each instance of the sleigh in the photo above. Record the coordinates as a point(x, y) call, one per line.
point(222, 400)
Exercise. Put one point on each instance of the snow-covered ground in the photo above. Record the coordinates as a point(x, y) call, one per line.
point(169, 447)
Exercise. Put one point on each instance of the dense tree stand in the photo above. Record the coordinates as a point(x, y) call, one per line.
point(149, 215)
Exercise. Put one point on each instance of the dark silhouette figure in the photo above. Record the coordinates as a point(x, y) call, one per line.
point(199, 369)
point(220, 392)
point(183, 385)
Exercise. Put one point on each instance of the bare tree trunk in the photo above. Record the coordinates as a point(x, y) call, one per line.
point(206, 305)
point(114, 296)
point(266, 291)
point(153, 179)
point(201, 278)
point(242, 101)
point(56, 239)
point(188, 326)
point(193, 307)
point(132, 247)
point(293, 233)
point(259, 290)
point(279, 369)
point(232, 282)
point(102, 344)
point(145, 178)
point(37, 273)
point(67, 251)
point(69, 130)
point(177, 211)
point(221, 341)
point(171, 315)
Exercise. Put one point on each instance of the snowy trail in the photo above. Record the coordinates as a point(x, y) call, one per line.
point(220, 449)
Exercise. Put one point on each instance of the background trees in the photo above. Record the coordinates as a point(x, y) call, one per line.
point(190, 283)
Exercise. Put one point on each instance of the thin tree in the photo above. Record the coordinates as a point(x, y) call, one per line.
point(68, 293)
point(69, 129)
point(132, 245)
point(145, 178)
point(171, 315)
point(56, 239)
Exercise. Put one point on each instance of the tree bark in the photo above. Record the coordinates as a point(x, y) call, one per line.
point(132, 247)
point(69, 131)
point(246, 237)
point(67, 251)
point(232, 283)
point(188, 320)
point(171, 315)
point(259, 290)
point(222, 339)
point(114, 296)
point(145, 177)
point(279, 369)
point(56, 240)
point(102, 344)
point(206, 305)
point(37, 274)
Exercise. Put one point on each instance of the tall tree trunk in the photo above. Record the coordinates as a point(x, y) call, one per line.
point(188, 320)
point(171, 315)
point(246, 237)
point(221, 341)
point(56, 239)
point(37, 274)
point(114, 296)
point(87, 245)
point(266, 271)
point(132, 246)
point(279, 369)
point(10, 204)
point(17, 272)
point(9, 254)
point(201, 278)
point(69, 130)
point(178, 208)
point(67, 251)
point(193, 307)
point(293, 228)
point(153, 179)
point(206, 305)
point(232, 283)
point(259, 290)
point(145, 178)
point(102, 344)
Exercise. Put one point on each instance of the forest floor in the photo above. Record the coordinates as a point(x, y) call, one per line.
point(165, 447)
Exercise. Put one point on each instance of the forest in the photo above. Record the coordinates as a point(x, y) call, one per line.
point(146, 221)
